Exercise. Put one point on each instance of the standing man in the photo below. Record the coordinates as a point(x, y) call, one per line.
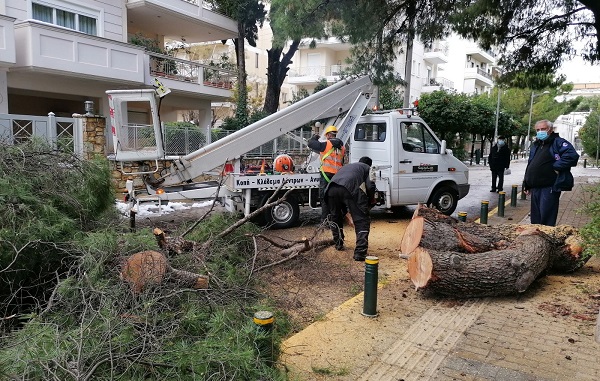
point(548, 173)
point(331, 153)
point(351, 189)
point(499, 160)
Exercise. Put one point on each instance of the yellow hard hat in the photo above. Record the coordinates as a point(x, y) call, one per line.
point(332, 129)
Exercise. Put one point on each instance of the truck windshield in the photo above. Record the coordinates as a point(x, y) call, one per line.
point(417, 138)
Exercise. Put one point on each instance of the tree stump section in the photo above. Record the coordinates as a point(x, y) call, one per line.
point(148, 268)
point(452, 257)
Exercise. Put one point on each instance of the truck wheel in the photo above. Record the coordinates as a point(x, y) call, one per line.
point(284, 215)
point(445, 200)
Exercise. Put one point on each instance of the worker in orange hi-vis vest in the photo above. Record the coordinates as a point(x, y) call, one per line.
point(332, 153)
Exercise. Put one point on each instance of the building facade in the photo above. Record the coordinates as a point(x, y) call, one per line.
point(57, 54)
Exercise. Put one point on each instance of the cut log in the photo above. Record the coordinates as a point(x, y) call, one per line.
point(452, 257)
point(433, 230)
point(492, 273)
point(148, 268)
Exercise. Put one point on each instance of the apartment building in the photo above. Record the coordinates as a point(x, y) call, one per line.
point(57, 54)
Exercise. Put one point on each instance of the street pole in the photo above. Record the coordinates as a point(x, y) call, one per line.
point(597, 144)
point(497, 116)
point(529, 126)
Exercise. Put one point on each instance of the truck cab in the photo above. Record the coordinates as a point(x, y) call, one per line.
point(411, 164)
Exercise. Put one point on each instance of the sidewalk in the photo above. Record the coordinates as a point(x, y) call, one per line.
point(546, 333)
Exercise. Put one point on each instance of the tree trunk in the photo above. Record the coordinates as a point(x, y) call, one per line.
point(468, 259)
point(276, 72)
point(492, 273)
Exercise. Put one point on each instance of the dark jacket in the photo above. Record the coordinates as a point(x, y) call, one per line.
point(499, 159)
point(546, 158)
point(355, 178)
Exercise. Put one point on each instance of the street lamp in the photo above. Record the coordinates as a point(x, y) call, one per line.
point(533, 95)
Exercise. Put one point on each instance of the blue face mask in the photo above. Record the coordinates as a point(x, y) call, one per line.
point(500, 143)
point(542, 135)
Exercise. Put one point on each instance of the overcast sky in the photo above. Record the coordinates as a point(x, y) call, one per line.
point(578, 71)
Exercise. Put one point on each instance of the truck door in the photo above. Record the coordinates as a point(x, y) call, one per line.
point(419, 164)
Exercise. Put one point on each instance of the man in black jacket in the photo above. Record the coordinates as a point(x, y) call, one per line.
point(548, 173)
point(351, 189)
point(499, 160)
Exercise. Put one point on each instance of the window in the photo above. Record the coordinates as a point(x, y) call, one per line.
point(370, 132)
point(416, 138)
point(67, 16)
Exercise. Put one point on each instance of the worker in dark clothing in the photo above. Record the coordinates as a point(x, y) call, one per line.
point(351, 189)
point(548, 173)
point(331, 153)
point(499, 160)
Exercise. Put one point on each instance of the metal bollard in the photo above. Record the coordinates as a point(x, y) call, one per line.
point(501, 201)
point(371, 279)
point(462, 216)
point(513, 195)
point(132, 221)
point(523, 195)
point(584, 163)
point(264, 339)
point(483, 216)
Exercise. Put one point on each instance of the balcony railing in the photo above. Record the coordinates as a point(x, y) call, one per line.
point(439, 81)
point(438, 47)
point(318, 71)
point(484, 73)
point(188, 71)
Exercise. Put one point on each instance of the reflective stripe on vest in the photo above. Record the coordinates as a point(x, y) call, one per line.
point(331, 159)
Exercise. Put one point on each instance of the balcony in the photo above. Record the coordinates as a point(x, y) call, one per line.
point(438, 83)
point(480, 55)
point(331, 43)
point(481, 77)
point(174, 19)
point(437, 54)
point(7, 41)
point(307, 75)
point(46, 48)
point(189, 76)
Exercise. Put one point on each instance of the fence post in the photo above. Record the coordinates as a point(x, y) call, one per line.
point(51, 131)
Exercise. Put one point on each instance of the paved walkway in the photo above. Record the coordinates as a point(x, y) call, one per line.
point(546, 333)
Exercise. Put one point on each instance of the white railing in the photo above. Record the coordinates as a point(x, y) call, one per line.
point(60, 133)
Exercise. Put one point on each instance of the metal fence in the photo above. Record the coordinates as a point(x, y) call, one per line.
point(66, 134)
point(60, 133)
point(182, 140)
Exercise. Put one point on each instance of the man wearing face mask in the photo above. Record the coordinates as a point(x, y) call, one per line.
point(548, 173)
point(499, 160)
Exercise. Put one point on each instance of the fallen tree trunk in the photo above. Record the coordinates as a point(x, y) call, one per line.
point(491, 273)
point(447, 254)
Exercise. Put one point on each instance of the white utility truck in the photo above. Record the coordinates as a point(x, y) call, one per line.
point(410, 164)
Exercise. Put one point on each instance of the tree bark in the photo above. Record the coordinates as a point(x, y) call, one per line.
point(452, 257)
point(277, 69)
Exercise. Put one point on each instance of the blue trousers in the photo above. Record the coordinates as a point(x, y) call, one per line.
point(544, 206)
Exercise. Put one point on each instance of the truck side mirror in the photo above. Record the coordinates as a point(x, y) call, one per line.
point(443, 148)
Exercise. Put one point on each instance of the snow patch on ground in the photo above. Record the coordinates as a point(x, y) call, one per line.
point(148, 209)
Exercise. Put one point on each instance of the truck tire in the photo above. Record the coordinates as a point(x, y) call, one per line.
point(444, 199)
point(284, 215)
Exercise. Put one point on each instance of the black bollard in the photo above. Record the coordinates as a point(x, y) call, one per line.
point(462, 216)
point(513, 195)
point(371, 280)
point(132, 221)
point(483, 216)
point(501, 201)
point(264, 321)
